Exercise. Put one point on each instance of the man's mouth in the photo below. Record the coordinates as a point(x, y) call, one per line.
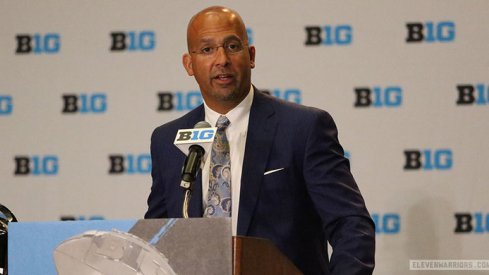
point(224, 78)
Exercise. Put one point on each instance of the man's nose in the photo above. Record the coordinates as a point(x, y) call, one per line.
point(222, 57)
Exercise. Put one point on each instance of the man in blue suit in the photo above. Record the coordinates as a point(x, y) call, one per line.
point(290, 181)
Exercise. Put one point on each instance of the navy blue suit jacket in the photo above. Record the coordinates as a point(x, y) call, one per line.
point(314, 199)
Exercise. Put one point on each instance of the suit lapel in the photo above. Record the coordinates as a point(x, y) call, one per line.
point(261, 133)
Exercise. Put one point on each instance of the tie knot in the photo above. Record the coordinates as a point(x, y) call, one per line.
point(222, 122)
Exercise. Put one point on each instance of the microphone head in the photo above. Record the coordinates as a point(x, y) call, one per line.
point(202, 124)
point(202, 135)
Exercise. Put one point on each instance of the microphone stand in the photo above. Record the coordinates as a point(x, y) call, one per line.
point(187, 185)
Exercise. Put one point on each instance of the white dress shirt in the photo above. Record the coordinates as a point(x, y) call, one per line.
point(236, 135)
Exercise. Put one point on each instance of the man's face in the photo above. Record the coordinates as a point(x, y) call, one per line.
point(224, 76)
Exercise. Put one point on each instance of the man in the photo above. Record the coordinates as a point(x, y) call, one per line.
point(290, 182)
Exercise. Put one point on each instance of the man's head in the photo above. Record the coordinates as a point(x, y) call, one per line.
point(219, 57)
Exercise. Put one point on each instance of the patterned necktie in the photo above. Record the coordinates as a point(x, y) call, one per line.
point(219, 194)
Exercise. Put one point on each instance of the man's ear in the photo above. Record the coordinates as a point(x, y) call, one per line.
point(187, 64)
point(252, 52)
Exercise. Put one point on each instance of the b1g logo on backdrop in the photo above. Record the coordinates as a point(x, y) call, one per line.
point(477, 94)
point(49, 43)
point(132, 41)
point(179, 101)
point(6, 105)
point(387, 223)
point(81, 218)
point(186, 101)
point(292, 95)
point(84, 103)
point(378, 97)
point(329, 35)
point(249, 31)
point(428, 159)
point(477, 222)
point(36, 165)
point(129, 164)
point(430, 32)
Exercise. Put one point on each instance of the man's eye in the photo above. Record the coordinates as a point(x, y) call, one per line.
point(206, 50)
point(233, 46)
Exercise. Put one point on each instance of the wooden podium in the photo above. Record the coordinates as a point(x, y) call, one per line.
point(257, 256)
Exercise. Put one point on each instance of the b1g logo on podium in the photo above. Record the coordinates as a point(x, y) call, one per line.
point(378, 97)
point(130, 164)
point(477, 94)
point(133, 41)
point(387, 223)
point(6, 105)
point(36, 165)
point(292, 95)
point(178, 101)
point(430, 32)
point(477, 222)
point(428, 159)
point(329, 35)
point(49, 43)
point(95, 103)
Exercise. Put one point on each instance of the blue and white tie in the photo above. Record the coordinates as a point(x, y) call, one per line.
point(219, 194)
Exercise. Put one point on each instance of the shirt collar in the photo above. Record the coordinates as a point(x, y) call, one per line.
point(235, 115)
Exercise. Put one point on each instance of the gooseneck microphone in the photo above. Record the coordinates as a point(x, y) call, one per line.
point(193, 161)
point(192, 164)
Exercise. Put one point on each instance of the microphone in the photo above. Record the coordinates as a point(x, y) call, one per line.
point(194, 159)
point(6, 216)
point(196, 142)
